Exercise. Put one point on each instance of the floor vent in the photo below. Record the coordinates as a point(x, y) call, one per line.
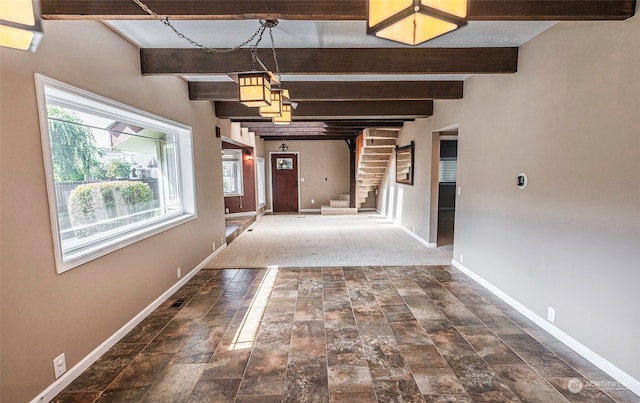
point(250, 229)
point(178, 303)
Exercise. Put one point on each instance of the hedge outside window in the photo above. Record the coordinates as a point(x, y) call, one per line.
point(115, 174)
point(232, 172)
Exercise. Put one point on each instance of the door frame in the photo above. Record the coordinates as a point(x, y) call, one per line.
point(271, 153)
point(436, 137)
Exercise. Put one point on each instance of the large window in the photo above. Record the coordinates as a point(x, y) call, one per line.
point(232, 172)
point(115, 174)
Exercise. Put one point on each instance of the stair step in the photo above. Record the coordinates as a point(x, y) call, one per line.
point(374, 164)
point(373, 170)
point(379, 142)
point(371, 176)
point(339, 203)
point(328, 210)
point(377, 150)
point(380, 133)
point(375, 157)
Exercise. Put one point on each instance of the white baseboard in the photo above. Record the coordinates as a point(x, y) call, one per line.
point(65, 380)
point(616, 373)
point(418, 238)
point(367, 209)
point(309, 210)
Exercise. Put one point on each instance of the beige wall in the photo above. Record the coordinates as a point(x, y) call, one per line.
point(570, 119)
point(43, 313)
point(319, 160)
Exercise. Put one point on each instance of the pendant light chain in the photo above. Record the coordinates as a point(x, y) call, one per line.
point(165, 21)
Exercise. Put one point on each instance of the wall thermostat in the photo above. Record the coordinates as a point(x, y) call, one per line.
point(521, 180)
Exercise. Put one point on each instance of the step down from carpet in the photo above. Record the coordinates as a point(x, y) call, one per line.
point(339, 206)
point(328, 210)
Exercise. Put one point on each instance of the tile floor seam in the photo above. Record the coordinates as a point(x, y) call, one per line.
point(388, 382)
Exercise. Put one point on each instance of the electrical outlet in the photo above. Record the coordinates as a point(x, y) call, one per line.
point(59, 365)
point(461, 258)
point(179, 272)
point(214, 246)
point(313, 201)
point(459, 190)
point(551, 314)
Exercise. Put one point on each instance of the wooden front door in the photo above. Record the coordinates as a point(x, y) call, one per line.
point(284, 173)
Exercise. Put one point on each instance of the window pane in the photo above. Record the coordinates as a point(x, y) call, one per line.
point(232, 172)
point(114, 173)
point(284, 163)
point(448, 171)
point(107, 174)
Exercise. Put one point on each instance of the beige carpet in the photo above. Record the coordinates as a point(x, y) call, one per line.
point(319, 241)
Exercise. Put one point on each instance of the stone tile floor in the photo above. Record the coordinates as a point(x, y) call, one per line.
point(357, 334)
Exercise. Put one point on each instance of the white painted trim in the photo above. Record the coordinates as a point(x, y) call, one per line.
point(596, 359)
point(309, 210)
point(418, 238)
point(65, 380)
point(367, 209)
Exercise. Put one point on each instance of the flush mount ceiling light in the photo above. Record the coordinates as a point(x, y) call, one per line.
point(20, 26)
point(414, 21)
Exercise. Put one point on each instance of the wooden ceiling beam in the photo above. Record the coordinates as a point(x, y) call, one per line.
point(338, 90)
point(334, 110)
point(303, 137)
point(479, 10)
point(329, 61)
point(287, 133)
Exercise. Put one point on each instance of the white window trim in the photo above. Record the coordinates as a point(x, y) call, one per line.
point(185, 160)
point(261, 181)
point(240, 176)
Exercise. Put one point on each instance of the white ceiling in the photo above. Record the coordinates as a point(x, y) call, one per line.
point(320, 34)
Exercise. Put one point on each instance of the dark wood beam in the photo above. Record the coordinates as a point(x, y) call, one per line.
point(336, 61)
point(328, 124)
point(303, 137)
point(209, 9)
point(334, 110)
point(338, 90)
point(287, 133)
point(550, 10)
point(479, 10)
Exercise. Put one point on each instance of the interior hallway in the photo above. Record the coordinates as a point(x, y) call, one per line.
point(352, 334)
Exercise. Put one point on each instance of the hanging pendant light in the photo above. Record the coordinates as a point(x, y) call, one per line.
point(20, 26)
point(275, 108)
point(254, 87)
point(285, 117)
point(414, 21)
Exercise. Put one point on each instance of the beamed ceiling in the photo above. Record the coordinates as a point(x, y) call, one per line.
point(343, 80)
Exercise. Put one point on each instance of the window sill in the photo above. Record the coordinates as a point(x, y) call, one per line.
point(92, 252)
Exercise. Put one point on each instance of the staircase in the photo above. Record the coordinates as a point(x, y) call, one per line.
point(373, 152)
point(339, 206)
point(372, 159)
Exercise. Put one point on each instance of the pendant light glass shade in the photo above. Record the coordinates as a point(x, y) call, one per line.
point(275, 108)
point(285, 117)
point(255, 88)
point(414, 21)
point(20, 26)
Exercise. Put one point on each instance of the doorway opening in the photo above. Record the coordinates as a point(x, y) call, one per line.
point(447, 185)
point(284, 182)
